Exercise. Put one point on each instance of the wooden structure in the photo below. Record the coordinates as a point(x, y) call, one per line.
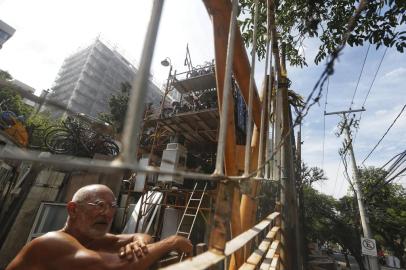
point(234, 237)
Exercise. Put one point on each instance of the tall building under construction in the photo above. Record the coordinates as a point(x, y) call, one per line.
point(89, 77)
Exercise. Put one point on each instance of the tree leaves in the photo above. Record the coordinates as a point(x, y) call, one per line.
point(327, 21)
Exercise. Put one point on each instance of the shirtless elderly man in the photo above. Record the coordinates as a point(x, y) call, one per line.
point(85, 244)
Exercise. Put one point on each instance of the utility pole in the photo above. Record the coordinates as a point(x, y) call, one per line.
point(372, 262)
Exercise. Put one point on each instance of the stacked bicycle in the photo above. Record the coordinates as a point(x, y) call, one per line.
point(79, 138)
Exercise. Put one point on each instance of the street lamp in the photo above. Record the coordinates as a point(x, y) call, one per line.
point(166, 62)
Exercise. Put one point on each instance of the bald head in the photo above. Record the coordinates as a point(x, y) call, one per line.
point(90, 212)
point(90, 192)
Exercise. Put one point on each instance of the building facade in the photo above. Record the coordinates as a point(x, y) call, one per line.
point(26, 88)
point(6, 31)
point(89, 77)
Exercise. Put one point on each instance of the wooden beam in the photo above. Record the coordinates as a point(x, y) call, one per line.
point(220, 10)
point(225, 206)
point(248, 207)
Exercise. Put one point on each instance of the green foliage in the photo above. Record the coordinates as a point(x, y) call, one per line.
point(324, 222)
point(330, 220)
point(327, 21)
point(5, 76)
point(386, 209)
point(310, 175)
point(118, 108)
point(10, 100)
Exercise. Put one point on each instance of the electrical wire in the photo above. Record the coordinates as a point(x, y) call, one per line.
point(346, 174)
point(396, 164)
point(369, 89)
point(335, 181)
point(386, 132)
point(324, 123)
point(359, 77)
point(383, 166)
point(375, 75)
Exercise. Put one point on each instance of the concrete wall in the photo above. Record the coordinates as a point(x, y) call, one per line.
point(45, 188)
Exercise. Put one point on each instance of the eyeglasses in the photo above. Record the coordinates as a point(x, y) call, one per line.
point(102, 206)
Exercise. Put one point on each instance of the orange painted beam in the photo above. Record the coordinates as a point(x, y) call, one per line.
point(220, 11)
point(224, 206)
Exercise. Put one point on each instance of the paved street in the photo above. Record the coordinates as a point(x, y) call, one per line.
point(340, 259)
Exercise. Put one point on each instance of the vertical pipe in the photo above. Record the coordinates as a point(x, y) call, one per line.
point(251, 95)
point(139, 86)
point(227, 89)
point(266, 104)
point(270, 89)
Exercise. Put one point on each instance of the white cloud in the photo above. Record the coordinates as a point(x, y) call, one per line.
point(395, 74)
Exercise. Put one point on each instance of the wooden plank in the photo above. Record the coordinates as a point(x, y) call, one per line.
point(205, 128)
point(239, 241)
point(273, 250)
point(259, 253)
point(211, 257)
point(275, 263)
point(202, 261)
point(256, 257)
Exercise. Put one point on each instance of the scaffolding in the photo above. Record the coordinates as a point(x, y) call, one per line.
point(232, 234)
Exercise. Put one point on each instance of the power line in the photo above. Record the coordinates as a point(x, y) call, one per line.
point(375, 75)
point(383, 166)
point(394, 121)
point(335, 181)
point(360, 75)
point(387, 179)
point(393, 168)
point(324, 123)
point(370, 87)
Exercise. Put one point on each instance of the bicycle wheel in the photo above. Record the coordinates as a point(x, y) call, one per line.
point(60, 141)
point(108, 148)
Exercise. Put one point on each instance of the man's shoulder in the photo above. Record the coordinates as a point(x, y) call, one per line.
point(55, 241)
point(43, 250)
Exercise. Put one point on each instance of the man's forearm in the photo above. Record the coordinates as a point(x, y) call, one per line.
point(113, 243)
point(155, 252)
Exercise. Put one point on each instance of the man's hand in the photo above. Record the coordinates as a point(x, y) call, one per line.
point(182, 245)
point(136, 249)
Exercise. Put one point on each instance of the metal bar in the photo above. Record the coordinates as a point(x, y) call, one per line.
point(269, 97)
point(226, 92)
point(179, 206)
point(247, 156)
point(265, 101)
point(348, 111)
point(77, 163)
point(136, 102)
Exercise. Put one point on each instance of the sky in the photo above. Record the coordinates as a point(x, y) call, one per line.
point(47, 31)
